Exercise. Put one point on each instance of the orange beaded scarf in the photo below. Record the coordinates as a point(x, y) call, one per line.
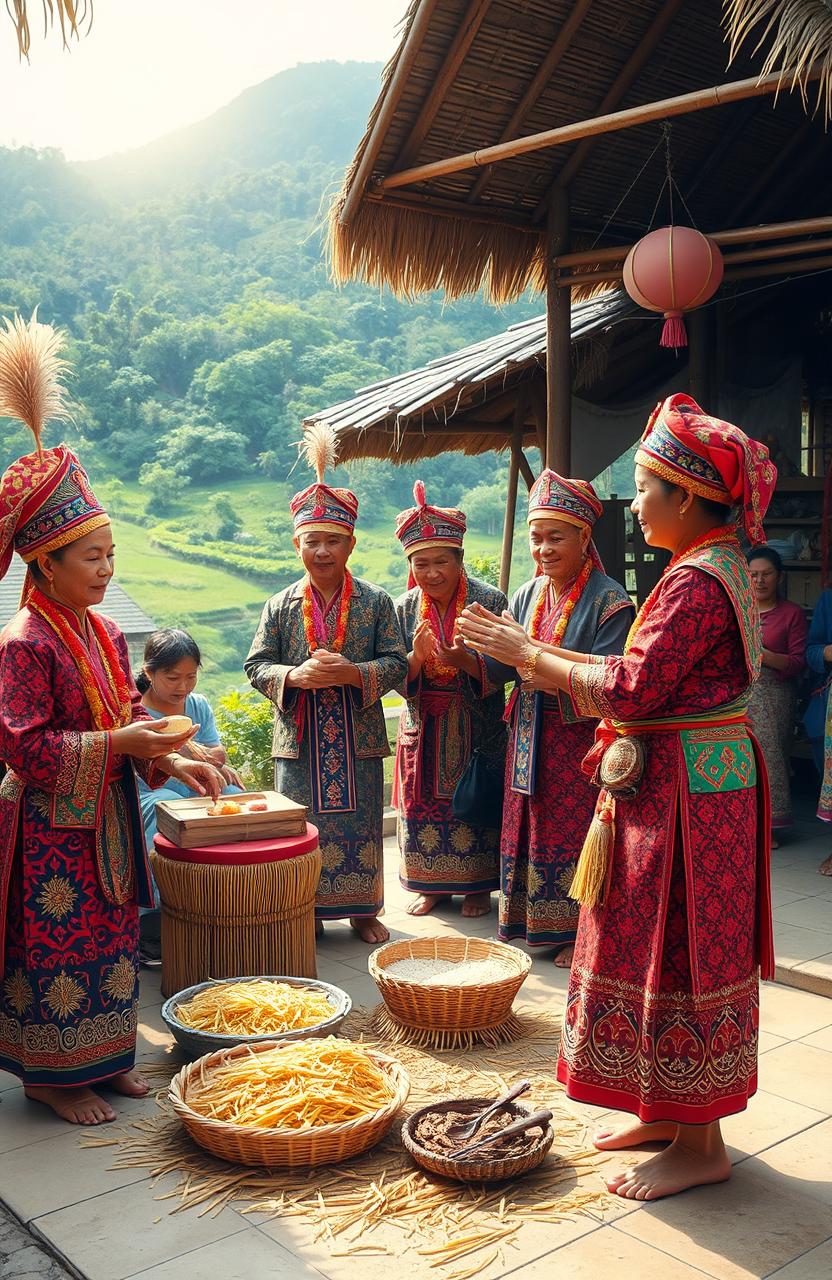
point(111, 707)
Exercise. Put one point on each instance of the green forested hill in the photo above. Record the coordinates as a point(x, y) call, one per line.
point(202, 326)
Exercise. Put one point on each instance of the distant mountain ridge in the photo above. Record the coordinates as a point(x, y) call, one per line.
point(315, 110)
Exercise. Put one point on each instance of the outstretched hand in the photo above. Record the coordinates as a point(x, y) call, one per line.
point(498, 636)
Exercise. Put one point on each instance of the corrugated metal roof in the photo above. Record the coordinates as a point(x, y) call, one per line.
point(117, 604)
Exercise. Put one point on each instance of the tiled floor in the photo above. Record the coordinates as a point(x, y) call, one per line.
point(772, 1219)
point(802, 905)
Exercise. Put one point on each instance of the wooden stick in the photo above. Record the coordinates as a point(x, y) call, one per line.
point(392, 96)
point(800, 267)
point(525, 470)
point(558, 342)
point(771, 253)
point(738, 235)
point(679, 105)
point(511, 500)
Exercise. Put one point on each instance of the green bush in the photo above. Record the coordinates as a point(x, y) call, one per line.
point(486, 568)
point(252, 562)
point(245, 724)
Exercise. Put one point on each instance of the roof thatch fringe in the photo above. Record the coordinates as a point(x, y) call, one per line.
point(801, 37)
point(71, 16)
point(410, 252)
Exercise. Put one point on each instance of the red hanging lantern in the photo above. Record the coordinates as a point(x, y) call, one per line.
point(673, 270)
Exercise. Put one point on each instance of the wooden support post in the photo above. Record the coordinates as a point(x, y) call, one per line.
point(511, 506)
point(558, 341)
point(700, 365)
point(525, 470)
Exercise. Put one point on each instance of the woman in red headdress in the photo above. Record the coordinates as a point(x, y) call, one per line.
point(73, 868)
point(662, 1012)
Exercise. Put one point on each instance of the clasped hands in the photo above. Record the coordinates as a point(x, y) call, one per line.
point(498, 636)
point(425, 647)
point(148, 740)
point(323, 670)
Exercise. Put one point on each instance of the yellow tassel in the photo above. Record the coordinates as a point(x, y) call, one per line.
point(590, 880)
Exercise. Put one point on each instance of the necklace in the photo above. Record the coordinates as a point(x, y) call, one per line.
point(537, 622)
point(112, 707)
point(726, 534)
point(314, 625)
point(434, 669)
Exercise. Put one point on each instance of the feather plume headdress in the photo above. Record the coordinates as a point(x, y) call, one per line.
point(321, 507)
point(31, 374)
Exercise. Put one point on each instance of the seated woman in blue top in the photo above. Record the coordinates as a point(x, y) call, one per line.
point(166, 683)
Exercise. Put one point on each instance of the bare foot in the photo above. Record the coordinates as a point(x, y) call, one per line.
point(131, 1083)
point(476, 904)
point(825, 867)
point(369, 929)
point(634, 1135)
point(563, 958)
point(675, 1169)
point(424, 904)
point(77, 1106)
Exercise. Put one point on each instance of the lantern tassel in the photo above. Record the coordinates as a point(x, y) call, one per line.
point(674, 333)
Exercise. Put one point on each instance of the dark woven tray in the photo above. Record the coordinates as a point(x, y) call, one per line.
point(482, 1168)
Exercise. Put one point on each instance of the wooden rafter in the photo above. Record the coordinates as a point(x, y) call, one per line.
point(778, 164)
point(536, 87)
point(461, 43)
point(679, 105)
point(725, 145)
point(624, 80)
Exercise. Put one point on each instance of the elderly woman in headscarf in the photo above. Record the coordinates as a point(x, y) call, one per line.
point(549, 802)
point(662, 1012)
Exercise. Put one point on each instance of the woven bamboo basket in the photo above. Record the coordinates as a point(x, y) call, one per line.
point(196, 1043)
point(228, 921)
point(481, 1167)
point(284, 1148)
point(438, 1008)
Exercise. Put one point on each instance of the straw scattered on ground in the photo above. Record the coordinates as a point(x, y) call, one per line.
point(380, 1203)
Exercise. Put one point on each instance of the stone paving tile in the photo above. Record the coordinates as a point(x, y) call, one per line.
point(794, 945)
point(816, 1264)
point(790, 1013)
point(606, 1252)
point(807, 913)
point(820, 1039)
point(806, 1161)
point(22, 1258)
point(34, 1178)
point(798, 1070)
point(820, 967)
point(246, 1255)
point(768, 1120)
point(23, 1123)
point(745, 1228)
point(86, 1233)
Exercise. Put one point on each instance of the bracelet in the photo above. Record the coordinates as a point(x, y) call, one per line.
point(530, 662)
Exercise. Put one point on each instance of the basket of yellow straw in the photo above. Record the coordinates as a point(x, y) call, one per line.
point(219, 1014)
point(301, 1103)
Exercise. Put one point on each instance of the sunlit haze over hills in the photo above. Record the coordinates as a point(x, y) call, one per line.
point(147, 69)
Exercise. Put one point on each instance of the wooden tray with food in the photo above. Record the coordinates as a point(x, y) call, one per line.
point(195, 821)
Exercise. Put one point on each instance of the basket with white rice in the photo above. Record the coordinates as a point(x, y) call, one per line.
point(449, 991)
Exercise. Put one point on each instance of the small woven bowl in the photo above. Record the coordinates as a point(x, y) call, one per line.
point(482, 1167)
point(449, 1008)
point(284, 1148)
point(196, 1043)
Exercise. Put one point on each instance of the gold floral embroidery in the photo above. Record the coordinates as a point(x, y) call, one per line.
point(57, 897)
point(462, 837)
point(331, 855)
point(19, 991)
point(121, 980)
point(428, 838)
point(564, 880)
point(64, 995)
point(368, 856)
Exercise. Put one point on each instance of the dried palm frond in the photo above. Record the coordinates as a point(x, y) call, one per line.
point(319, 448)
point(800, 32)
point(71, 16)
point(32, 373)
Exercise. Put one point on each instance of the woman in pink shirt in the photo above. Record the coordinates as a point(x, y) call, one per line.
point(774, 692)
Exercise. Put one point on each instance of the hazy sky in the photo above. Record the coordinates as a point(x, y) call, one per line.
point(149, 66)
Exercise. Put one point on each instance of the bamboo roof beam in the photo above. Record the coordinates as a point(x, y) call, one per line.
point(679, 105)
point(462, 41)
point(628, 74)
point(398, 83)
point(536, 87)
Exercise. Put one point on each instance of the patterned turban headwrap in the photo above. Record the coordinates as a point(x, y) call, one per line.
point(710, 458)
point(553, 497)
point(45, 503)
point(320, 509)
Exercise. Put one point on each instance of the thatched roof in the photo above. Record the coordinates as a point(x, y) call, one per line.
point(470, 74)
point(72, 19)
point(467, 400)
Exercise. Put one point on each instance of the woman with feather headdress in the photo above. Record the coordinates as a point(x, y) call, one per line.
point(326, 651)
point(451, 711)
point(73, 734)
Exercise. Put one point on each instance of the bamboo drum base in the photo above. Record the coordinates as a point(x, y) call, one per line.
point(236, 921)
